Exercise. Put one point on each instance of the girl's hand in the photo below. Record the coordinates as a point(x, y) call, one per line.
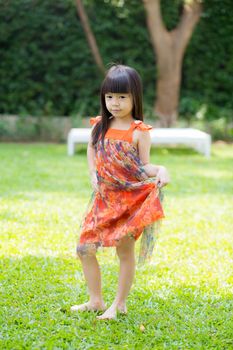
point(94, 182)
point(162, 177)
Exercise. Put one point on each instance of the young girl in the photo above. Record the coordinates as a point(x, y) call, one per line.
point(126, 188)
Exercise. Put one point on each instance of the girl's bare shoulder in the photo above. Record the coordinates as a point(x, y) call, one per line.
point(141, 132)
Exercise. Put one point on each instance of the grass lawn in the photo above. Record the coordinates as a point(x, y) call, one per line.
point(182, 300)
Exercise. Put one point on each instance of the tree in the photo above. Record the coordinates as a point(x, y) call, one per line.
point(89, 35)
point(169, 48)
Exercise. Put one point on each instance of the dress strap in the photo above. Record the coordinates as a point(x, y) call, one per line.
point(95, 120)
point(136, 125)
point(139, 125)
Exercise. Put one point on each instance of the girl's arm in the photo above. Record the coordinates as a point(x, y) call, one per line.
point(91, 165)
point(91, 158)
point(158, 171)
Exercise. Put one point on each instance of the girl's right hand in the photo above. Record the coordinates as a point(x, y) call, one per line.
point(94, 182)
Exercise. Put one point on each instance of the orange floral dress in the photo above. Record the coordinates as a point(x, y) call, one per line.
point(128, 201)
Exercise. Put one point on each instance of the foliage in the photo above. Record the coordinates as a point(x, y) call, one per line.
point(208, 64)
point(55, 129)
point(183, 300)
point(46, 67)
point(208, 117)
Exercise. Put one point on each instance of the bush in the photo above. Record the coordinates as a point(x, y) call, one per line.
point(46, 67)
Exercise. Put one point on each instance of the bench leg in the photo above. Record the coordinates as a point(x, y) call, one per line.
point(204, 147)
point(207, 145)
point(198, 146)
point(70, 147)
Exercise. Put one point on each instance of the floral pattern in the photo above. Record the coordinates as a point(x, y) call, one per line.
point(128, 201)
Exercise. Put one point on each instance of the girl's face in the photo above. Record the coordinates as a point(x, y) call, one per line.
point(120, 105)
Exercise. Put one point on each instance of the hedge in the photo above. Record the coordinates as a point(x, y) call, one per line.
point(46, 67)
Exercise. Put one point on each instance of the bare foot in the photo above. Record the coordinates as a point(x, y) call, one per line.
point(111, 312)
point(89, 307)
point(122, 309)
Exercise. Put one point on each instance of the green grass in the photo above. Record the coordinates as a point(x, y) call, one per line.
point(183, 298)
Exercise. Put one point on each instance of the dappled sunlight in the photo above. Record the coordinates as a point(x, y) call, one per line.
point(187, 283)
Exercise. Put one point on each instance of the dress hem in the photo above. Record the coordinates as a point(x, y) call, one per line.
point(113, 242)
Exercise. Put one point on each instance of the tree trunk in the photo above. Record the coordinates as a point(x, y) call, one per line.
point(168, 86)
point(169, 48)
point(90, 36)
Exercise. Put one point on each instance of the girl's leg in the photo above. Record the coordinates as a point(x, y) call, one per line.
point(125, 252)
point(92, 275)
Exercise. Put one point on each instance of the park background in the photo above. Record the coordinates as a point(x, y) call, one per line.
point(47, 69)
point(49, 82)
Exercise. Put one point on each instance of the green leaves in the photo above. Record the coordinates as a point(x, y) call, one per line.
point(46, 67)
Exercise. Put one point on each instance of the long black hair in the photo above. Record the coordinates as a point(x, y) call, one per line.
point(119, 79)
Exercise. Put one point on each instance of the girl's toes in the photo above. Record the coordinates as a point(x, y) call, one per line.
point(108, 315)
point(88, 307)
point(81, 307)
point(122, 310)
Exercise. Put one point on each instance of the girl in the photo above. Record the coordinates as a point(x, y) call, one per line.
point(126, 188)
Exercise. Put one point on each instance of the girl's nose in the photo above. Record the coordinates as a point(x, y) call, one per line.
point(115, 101)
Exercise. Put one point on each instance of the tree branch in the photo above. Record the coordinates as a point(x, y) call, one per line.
point(89, 35)
point(155, 24)
point(190, 16)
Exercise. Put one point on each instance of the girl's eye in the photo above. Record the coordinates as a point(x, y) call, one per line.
point(108, 96)
point(122, 96)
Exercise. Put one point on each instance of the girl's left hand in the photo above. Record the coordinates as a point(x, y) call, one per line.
point(162, 177)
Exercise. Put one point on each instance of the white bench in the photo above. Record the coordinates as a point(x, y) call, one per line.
point(199, 140)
